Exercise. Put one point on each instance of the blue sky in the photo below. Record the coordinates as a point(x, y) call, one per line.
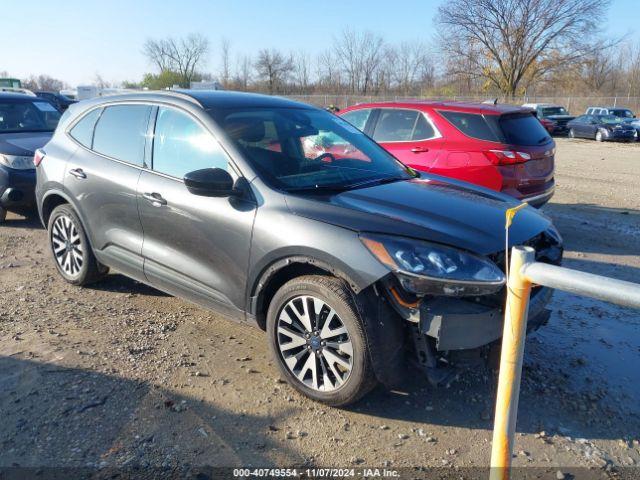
point(75, 39)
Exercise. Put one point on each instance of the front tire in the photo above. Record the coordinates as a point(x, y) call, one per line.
point(599, 136)
point(3, 214)
point(318, 340)
point(72, 253)
point(572, 133)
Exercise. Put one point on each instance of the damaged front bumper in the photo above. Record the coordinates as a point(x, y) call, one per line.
point(464, 323)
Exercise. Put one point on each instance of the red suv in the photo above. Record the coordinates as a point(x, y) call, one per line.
point(500, 147)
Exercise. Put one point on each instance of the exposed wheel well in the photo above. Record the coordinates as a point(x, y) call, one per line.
point(277, 280)
point(51, 202)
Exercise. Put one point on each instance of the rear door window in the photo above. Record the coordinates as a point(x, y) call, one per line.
point(472, 125)
point(399, 125)
point(121, 132)
point(181, 145)
point(82, 132)
point(358, 118)
point(523, 129)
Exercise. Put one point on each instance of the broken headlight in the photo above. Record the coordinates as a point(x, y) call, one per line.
point(426, 268)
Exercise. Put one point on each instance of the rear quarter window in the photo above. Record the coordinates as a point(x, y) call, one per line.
point(82, 132)
point(472, 125)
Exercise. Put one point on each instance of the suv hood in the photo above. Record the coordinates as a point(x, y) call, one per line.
point(430, 208)
point(23, 143)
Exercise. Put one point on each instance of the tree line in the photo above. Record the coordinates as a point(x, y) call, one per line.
point(480, 47)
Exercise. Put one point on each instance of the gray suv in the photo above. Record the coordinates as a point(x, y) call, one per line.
point(285, 216)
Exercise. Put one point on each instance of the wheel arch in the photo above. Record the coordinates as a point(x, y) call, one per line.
point(49, 203)
point(279, 272)
point(52, 199)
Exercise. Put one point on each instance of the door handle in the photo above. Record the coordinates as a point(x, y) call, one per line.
point(419, 149)
point(78, 173)
point(155, 198)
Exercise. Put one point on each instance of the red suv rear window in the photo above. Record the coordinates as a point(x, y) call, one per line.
point(523, 129)
point(514, 129)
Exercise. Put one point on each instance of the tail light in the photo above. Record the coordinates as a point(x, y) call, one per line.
point(506, 157)
point(38, 157)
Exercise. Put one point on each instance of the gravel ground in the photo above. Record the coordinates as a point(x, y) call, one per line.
point(120, 374)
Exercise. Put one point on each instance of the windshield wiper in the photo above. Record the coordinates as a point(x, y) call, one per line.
point(319, 188)
point(345, 187)
point(378, 181)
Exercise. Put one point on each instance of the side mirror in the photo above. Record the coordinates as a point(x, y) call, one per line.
point(210, 182)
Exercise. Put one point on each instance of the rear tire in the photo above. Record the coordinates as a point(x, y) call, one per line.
point(318, 340)
point(72, 253)
point(3, 214)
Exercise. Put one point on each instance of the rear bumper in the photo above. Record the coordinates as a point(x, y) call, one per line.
point(17, 188)
point(535, 195)
point(539, 199)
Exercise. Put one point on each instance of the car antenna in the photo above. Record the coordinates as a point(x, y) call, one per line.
point(491, 102)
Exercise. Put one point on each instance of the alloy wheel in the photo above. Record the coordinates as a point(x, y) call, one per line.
point(314, 343)
point(67, 245)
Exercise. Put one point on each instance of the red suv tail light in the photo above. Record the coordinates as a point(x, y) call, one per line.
point(38, 157)
point(506, 157)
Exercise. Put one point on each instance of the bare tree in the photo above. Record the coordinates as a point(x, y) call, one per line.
point(328, 72)
point(184, 56)
point(100, 82)
point(359, 55)
point(43, 83)
point(225, 48)
point(412, 66)
point(509, 42)
point(302, 71)
point(242, 76)
point(597, 71)
point(274, 68)
point(630, 70)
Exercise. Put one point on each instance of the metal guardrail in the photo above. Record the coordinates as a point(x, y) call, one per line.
point(523, 272)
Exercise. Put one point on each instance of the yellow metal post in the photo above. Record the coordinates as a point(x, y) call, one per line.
point(513, 339)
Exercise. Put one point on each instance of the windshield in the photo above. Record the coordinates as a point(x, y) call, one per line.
point(546, 111)
point(36, 116)
point(299, 149)
point(609, 119)
point(621, 112)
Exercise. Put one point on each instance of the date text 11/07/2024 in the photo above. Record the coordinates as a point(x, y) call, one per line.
point(315, 473)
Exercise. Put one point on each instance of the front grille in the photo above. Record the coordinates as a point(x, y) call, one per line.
point(548, 250)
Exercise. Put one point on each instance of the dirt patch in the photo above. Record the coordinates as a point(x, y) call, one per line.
point(120, 374)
